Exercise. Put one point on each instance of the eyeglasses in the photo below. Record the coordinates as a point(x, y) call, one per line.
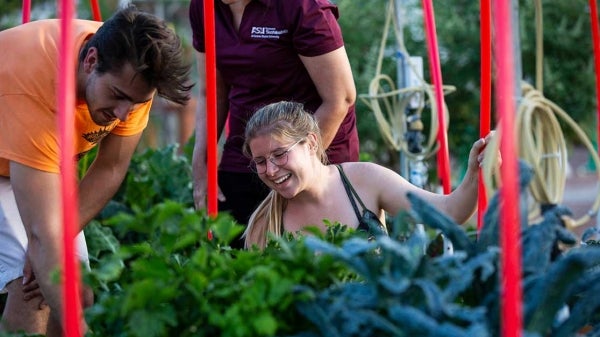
point(279, 158)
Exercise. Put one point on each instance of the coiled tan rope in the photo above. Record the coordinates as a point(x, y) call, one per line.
point(545, 150)
point(382, 91)
point(542, 146)
point(542, 143)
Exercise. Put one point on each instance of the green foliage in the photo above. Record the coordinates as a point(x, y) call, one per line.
point(156, 175)
point(157, 272)
point(177, 282)
point(568, 57)
point(406, 293)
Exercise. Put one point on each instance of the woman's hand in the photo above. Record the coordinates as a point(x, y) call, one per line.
point(479, 151)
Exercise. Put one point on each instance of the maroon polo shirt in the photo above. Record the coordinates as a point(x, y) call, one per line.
point(261, 64)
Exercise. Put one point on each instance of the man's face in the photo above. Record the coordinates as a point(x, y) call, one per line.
point(112, 96)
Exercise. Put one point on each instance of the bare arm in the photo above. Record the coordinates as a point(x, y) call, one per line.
point(462, 202)
point(332, 76)
point(199, 156)
point(459, 205)
point(37, 194)
point(105, 175)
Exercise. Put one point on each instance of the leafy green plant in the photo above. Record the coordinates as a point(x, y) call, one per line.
point(154, 176)
point(157, 272)
point(157, 175)
point(406, 293)
point(177, 282)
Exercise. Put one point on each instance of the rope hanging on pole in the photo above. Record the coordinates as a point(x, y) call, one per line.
point(389, 105)
point(544, 148)
point(542, 142)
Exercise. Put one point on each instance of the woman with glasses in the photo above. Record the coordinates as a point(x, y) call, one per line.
point(268, 51)
point(284, 143)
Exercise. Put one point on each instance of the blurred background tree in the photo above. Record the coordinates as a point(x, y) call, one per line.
point(568, 63)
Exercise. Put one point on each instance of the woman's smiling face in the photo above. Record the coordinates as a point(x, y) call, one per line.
point(292, 157)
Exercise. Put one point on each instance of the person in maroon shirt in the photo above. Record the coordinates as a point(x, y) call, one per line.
point(268, 51)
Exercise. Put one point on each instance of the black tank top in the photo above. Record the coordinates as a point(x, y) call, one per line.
point(368, 221)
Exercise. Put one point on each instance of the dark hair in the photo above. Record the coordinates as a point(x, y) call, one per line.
point(149, 45)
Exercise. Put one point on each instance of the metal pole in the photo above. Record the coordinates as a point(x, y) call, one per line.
point(595, 26)
point(443, 155)
point(485, 106)
point(401, 65)
point(71, 304)
point(26, 16)
point(211, 107)
point(505, 29)
point(516, 37)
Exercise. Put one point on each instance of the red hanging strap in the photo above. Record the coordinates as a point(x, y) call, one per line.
point(26, 15)
point(72, 314)
point(510, 258)
point(486, 95)
point(211, 107)
point(436, 74)
point(96, 14)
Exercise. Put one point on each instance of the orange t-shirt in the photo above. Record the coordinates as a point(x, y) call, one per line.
point(28, 98)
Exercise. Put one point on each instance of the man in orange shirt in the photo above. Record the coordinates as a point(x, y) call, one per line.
point(122, 64)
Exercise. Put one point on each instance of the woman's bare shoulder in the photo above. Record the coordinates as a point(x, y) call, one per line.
point(365, 168)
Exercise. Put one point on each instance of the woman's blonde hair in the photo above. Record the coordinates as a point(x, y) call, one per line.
point(282, 120)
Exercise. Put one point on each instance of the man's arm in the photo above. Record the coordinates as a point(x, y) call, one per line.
point(37, 194)
point(332, 76)
point(199, 156)
point(105, 175)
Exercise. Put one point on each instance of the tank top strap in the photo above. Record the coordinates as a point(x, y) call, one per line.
point(350, 192)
